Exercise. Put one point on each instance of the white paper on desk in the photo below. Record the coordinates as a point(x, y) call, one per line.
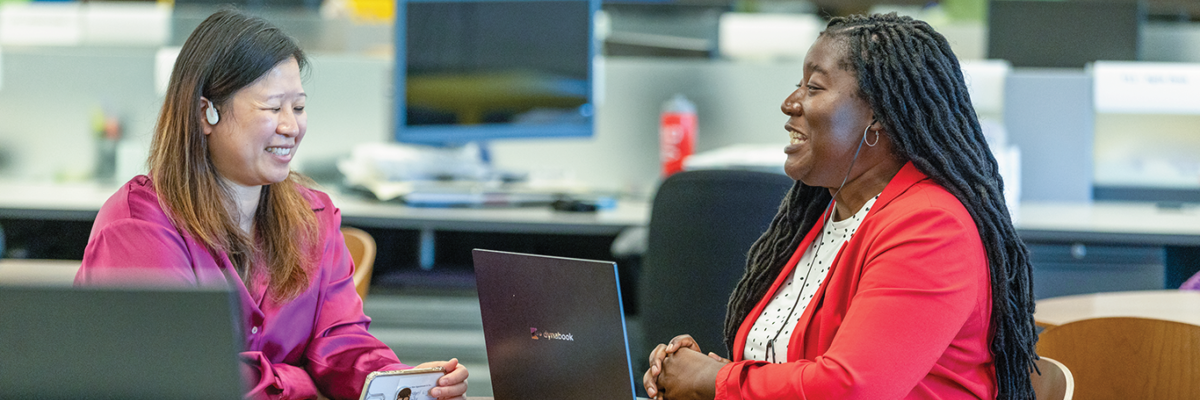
point(387, 191)
point(372, 162)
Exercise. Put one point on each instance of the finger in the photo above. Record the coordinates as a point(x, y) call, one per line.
point(648, 382)
point(658, 352)
point(683, 341)
point(717, 357)
point(459, 374)
point(450, 365)
point(431, 364)
point(657, 355)
point(456, 390)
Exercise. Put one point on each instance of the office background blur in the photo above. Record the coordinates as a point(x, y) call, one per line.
point(81, 84)
point(58, 78)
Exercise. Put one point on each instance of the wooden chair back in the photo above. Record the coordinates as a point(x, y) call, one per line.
point(362, 251)
point(1127, 358)
point(1054, 382)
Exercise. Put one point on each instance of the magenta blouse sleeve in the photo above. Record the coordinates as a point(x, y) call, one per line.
point(343, 353)
point(132, 251)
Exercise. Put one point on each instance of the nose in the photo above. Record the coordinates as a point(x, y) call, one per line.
point(791, 105)
point(288, 124)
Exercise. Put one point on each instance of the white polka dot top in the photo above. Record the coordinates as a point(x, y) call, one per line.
point(802, 284)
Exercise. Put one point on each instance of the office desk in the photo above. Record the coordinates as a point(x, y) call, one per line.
point(1106, 222)
point(40, 272)
point(1172, 305)
point(1065, 227)
point(1109, 246)
point(1110, 222)
point(81, 202)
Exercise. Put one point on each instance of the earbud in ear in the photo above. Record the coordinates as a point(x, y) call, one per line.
point(211, 115)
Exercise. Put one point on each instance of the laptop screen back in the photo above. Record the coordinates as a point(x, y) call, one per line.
point(64, 342)
point(554, 327)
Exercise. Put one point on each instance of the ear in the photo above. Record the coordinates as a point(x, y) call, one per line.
point(205, 104)
point(877, 126)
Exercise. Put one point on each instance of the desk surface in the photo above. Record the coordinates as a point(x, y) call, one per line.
point(1116, 222)
point(1172, 305)
point(81, 202)
point(40, 272)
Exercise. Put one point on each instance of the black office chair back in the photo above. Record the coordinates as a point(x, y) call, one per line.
point(702, 224)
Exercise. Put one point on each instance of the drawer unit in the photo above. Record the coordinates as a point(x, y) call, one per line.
point(1062, 269)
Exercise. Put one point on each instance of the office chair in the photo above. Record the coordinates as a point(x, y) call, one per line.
point(702, 224)
point(1055, 381)
point(1127, 358)
point(362, 251)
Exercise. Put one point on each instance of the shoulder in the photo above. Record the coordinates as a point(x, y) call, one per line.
point(328, 215)
point(913, 194)
point(925, 207)
point(927, 195)
point(135, 200)
point(318, 200)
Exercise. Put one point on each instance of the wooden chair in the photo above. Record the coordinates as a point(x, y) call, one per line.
point(1127, 358)
point(1055, 381)
point(362, 251)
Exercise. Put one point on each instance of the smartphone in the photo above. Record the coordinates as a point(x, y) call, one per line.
point(407, 384)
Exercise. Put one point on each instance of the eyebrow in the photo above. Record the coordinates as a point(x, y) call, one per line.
point(274, 96)
point(816, 68)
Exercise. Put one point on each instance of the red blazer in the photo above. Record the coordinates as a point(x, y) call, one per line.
point(904, 313)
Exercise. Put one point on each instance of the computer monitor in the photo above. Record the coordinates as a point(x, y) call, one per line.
point(1063, 34)
point(477, 70)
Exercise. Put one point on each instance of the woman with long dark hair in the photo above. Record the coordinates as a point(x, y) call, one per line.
point(221, 207)
point(892, 270)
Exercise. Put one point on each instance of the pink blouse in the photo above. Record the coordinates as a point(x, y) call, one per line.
point(317, 342)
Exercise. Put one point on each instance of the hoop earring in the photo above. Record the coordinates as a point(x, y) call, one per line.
point(870, 144)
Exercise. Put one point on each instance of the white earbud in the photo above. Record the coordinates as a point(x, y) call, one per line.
point(211, 115)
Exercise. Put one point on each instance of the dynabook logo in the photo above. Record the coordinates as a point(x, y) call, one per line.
point(535, 335)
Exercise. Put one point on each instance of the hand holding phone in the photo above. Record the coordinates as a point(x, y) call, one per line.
point(408, 384)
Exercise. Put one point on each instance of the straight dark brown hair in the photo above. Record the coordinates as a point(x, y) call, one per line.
point(227, 52)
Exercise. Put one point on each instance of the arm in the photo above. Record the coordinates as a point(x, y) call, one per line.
point(341, 353)
point(133, 251)
point(276, 380)
point(920, 284)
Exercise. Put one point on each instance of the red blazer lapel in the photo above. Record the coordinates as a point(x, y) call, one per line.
point(904, 179)
point(739, 343)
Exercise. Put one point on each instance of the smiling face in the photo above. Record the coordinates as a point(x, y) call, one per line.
point(826, 117)
point(260, 127)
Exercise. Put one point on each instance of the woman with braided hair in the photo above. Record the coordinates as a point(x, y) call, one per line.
point(892, 270)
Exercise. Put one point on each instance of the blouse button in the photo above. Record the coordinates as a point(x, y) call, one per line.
point(254, 330)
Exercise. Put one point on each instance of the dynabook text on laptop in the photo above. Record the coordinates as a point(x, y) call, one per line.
point(554, 327)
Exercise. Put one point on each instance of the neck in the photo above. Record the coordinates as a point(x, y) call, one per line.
point(244, 203)
point(861, 188)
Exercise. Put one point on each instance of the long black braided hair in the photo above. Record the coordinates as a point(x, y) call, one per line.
point(913, 81)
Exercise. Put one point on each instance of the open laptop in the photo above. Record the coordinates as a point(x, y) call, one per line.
point(60, 342)
point(554, 327)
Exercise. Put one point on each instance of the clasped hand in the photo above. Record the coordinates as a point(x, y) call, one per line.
point(680, 371)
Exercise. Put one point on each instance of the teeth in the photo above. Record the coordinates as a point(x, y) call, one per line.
point(795, 136)
point(279, 151)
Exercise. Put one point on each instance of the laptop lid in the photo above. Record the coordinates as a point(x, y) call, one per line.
point(554, 327)
point(109, 343)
